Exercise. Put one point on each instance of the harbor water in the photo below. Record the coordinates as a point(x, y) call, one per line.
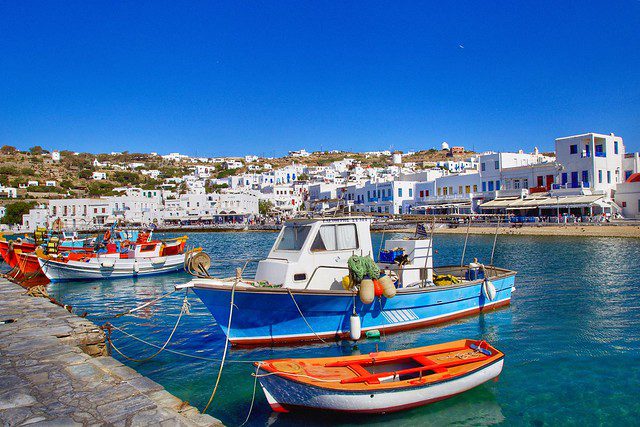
point(571, 335)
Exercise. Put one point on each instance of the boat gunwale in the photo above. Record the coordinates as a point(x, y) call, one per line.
point(202, 283)
point(388, 387)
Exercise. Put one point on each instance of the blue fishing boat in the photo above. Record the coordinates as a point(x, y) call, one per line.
point(299, 291)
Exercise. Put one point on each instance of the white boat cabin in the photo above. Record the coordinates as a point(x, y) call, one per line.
point(313, 253)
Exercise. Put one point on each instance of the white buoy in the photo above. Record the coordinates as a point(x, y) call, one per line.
point(356, 327)
point(136, 267)
point(489, 290)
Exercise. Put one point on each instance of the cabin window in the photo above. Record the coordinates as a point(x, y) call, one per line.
point(335, 238)
point(293, 237)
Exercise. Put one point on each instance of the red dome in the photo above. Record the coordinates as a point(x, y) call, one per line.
point(634, 178)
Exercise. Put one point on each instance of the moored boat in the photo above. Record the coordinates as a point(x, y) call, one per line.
point(297, 293)
point(379, 382)
point(137, 260)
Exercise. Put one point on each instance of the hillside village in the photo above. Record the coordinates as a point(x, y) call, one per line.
point(585, 179)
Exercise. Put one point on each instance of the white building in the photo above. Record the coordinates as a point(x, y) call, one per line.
point(299, 153)
point(8, 192)
point(79, 213)
point(591, 160)
point(99, 176)
point(37, 217)
point(250, 158)
point(55, 156)
point(628, 196)
point(50, 183)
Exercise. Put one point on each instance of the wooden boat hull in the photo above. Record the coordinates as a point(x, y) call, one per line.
point(288, 390)
point(272, 315)
point(8, 250)
point(28, 263)
point(100, 268)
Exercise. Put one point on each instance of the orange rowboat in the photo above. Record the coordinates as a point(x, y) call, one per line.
point(379, 382)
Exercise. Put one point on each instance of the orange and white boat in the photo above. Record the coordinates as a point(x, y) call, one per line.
point(379, 382)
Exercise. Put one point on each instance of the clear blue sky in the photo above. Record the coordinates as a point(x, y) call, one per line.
point(235, 77)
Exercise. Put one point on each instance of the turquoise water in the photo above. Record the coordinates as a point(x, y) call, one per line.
point(571, 336)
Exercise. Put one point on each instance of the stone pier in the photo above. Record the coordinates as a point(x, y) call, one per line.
point(54, 371)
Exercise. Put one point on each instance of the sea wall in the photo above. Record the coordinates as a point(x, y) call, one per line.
point(54, 369)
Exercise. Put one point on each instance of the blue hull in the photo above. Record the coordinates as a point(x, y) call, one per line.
point(270, 316)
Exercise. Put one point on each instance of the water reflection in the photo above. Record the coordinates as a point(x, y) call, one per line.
point(571, 332)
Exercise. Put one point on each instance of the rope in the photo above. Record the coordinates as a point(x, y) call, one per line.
point(226, 347)
point(180, 353)
point(302, 315)
point(253, 397)
point(466, 239)
point(185, 309)
point(146, 304)
point(495, 239)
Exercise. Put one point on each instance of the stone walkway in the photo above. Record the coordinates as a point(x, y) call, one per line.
point(48, 377)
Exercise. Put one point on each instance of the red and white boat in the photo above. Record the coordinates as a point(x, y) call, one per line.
point(379, 382)
point(139, 259)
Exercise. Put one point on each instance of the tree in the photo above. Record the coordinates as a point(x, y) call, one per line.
point(14, 212)
point(264, 207)
point(85, 174)
point(303, 177)
point(36, 150)
point(8, 149)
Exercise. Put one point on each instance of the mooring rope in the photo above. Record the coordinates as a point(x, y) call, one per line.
point(226, 347)
point(179, 353)
point(133, 310)
point(304, 318)
point(183, 310)
point(323, 380)
point(253, 397)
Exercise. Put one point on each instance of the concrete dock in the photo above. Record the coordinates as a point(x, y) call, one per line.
point(54, 371)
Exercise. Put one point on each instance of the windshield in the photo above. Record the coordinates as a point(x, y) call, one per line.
point(293, 237)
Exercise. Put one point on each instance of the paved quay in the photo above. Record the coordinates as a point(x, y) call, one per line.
point(54, 371)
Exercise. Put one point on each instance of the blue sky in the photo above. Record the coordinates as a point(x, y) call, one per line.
point(231, 78)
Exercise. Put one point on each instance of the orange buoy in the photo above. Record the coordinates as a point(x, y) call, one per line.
point(378, 290)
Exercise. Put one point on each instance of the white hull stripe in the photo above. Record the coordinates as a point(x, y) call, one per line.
point(332, 333)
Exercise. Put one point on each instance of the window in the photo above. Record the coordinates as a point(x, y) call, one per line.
point(498, 185)
point(627, 174)
point(293, 237)
point(573, 149)
point(600, 176)
point(399, 192)
point(615, 147)
point(439, 191)
point(475, 188)
point(600, 151)
point(336, 238)
point(608, 177)
point(574, 179)
point(624, 204)
point(516, 184)
point(484, 186)
point(467, 189)
point(585, 177)
point(587, 150)
point(483, 167)
point(490, 185)
point(445, 191)
point(525, 183)
point(496, 164)
point(459, 189)
point(421, 193)
point(411, 192)
point(564, 179)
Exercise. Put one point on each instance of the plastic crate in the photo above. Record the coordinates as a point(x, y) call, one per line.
point(389, 257)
